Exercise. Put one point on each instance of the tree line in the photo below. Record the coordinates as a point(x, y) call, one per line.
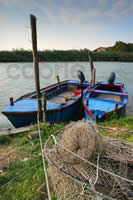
point(120, 52)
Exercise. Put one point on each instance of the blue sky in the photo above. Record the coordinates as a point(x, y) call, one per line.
point(66, 24)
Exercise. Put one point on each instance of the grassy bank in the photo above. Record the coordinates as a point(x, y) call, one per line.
point(25, 171)
point(24, 174)
point(124, 123)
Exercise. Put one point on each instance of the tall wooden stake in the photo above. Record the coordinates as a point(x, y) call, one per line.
point(92, 69)
point(93, 76)
point(35, 60)
point(44, 107)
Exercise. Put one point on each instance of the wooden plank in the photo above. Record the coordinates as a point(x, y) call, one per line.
point(35, 59)
point(15, 130)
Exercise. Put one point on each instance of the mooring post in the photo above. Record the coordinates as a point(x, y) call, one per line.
point(44, 107)
point(11, 101)
point(93, 76)
point(91, 65)
point(58, 79)
point(35, 60)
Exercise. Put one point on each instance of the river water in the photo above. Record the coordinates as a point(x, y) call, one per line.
point(17, 79)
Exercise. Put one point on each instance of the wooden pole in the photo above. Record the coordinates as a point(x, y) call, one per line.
point(35, 60)
point(44, 107)
point(91, 65)
point(93, 76)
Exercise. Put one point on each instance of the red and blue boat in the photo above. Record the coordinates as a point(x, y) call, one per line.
point(63, 100)
point(103, 99)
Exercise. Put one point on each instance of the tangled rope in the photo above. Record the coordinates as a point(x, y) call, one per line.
point(106, 173)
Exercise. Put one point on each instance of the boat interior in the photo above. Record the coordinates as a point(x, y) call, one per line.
point(59, 94)
point(109, 97)
point(62, 94)
point(109, 88)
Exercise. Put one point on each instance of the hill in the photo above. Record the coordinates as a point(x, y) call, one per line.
point(122, 47)
point(117, 48)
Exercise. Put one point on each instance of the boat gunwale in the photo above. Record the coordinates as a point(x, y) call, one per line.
point(88, 93)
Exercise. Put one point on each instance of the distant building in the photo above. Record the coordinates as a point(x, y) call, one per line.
point(102, 49)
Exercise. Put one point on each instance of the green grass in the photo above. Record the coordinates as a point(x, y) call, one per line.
point(124, 123)
point(29, 174)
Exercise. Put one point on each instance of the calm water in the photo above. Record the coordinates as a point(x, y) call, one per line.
point(17, 79)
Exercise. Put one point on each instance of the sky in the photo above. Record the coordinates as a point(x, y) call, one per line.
point(66, 24)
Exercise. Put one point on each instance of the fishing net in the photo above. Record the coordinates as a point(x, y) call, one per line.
point(85, 165)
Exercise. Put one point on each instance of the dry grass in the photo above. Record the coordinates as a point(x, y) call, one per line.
point(7, 154)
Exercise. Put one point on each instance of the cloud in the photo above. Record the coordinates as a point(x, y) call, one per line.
point(128, 11)
point(92, 15)
point(67, 17)
point(73, 12)
point(102, 3)
point(119, 8)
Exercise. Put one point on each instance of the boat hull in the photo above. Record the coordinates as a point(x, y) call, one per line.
point(24, 112)
point(24, 119)
point(116, 113)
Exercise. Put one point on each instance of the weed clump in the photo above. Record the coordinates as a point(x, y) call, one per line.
point(5, 139)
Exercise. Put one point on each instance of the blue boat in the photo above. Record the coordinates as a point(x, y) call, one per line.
point(63, 100)
point(103, 99)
